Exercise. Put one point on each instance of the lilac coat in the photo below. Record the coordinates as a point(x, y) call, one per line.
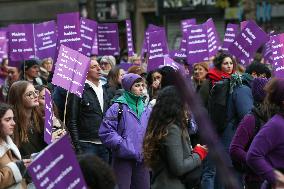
point(266, 152)
point(126, 138)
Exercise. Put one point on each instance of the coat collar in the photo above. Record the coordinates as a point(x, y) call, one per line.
point(9, 145)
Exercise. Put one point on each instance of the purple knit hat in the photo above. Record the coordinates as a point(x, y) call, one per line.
point(277, 96)
point(128, 80)
point(258, 92)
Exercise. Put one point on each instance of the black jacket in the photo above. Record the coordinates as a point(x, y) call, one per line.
point(84, 115)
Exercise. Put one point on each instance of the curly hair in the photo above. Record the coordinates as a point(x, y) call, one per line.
point(218, 60)
point(169, 108)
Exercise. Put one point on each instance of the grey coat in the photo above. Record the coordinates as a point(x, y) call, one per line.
point(176, 160)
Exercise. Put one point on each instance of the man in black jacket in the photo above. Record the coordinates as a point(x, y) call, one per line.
point(84, 115)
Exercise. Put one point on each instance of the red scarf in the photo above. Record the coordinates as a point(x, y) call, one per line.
point(216, 75)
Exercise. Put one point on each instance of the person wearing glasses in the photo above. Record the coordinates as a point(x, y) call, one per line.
point(28, 134)
point(106, 64)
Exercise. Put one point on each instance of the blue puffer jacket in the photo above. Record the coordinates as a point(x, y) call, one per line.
point(125, 139)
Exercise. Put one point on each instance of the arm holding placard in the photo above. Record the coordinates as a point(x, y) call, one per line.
point(72, 122)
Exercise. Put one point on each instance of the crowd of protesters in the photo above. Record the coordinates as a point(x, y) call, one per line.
point(134, 129)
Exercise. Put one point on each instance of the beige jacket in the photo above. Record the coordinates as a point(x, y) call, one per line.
point(10, 176)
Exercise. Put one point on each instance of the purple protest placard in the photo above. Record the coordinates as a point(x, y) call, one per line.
point(184, 25)
point(231, 32)
point(247, 42)
point(21, 42)
point(57, 167)
point(45, 39)
point(3, 45)
point(95, 48)
point(125, 66)
point(277, 46)
point(68, 26)
point(70, 70)
point(88, 29)
point(214, 43)
point(158, 48)
point(267, 50)
point(129, 38)
point(108, 39)
point(170, 62)
point(197, 44)
point(177, 54)
point(243, 24)
point(48, 118)
point(151, 28)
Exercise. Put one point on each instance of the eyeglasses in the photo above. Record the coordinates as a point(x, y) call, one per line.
point(32, 94)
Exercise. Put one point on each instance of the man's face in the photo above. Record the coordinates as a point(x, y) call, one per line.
point(94, 71)
point(33, 71)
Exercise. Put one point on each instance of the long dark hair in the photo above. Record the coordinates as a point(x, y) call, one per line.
point(16, 93)
point(113, 76)
point(169, 108)
point(3, 109)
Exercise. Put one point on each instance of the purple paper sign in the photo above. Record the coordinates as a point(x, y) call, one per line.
point(70, 70)
point(214, 43)
point(247, 42)
point(197, 44)
point(108, 39)
point(151, 28)
point(158, 48)
point(177, 54)
point(3, 45)
point(243, 24)
point(184, 25)
point(88, 29)
point(231, 32)
point(21, 42)
point(267, 50)
point(125, 66)
point(57, 167)
point(170, 62)
point(68, 25)
point(48, 118)
point(45, 39)
point(129, 38)
point(277, 46)
point(95, 48)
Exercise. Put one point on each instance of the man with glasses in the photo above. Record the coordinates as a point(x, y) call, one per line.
point(85, 114)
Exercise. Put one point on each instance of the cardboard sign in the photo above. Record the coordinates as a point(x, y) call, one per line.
point(70, 70)
point(57, 167)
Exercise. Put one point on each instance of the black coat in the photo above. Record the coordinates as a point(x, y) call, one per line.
point(84, 115)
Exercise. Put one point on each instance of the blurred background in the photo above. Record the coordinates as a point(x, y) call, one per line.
point(268, 14)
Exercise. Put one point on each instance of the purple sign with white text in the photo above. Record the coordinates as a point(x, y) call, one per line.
point(57, 167)
point(214, 43)
point(70, 70)
point(45, 39)
point(68, 25)
point(129, 38)
point(158, 48)
point(184, 25)
point(277, 46)
point(247, 43)
point(177, 54)
point(108, 39)
point(170, 62)
point(21, 42)
point(151, 28)
point(48, 118)
point(88, 29)
point(197, 44)
point(95, 47)
point(3, 45)
point(231, 32)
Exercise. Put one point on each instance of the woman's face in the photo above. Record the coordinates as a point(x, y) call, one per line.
point(8, 123)
point(41, 97)
point(157, 76)
point(30, 97)
point(227, 65)
point(137, 88)
point(199, 73)
point(120, 75)
point(48, 65)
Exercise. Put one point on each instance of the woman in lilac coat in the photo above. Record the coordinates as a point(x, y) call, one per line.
point(266, 153)
point(124, 134)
